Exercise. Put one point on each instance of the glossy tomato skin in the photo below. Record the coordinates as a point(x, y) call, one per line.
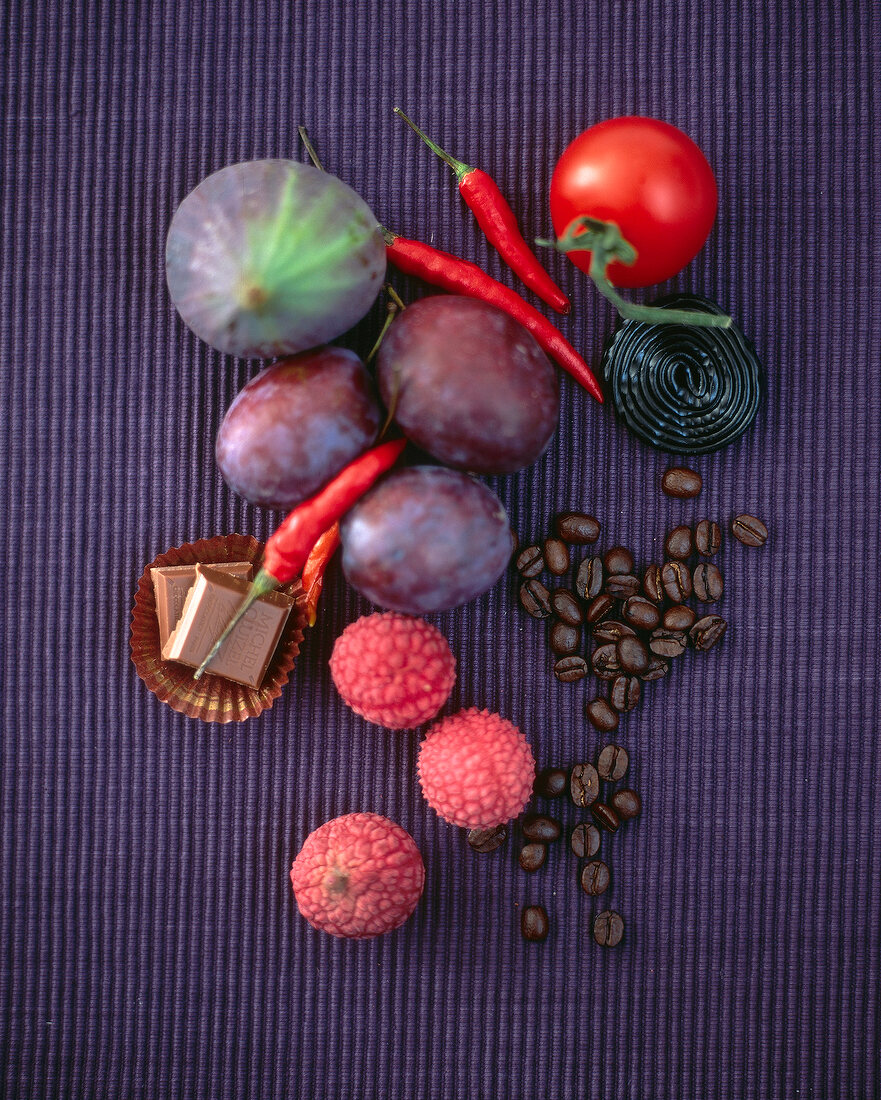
point(651, 180)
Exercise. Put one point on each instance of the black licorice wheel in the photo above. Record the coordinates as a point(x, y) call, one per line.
point(683, 389)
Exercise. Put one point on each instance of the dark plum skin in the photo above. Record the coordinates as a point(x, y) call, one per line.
point(474, 389)
point(297, 424)
point(425, 539)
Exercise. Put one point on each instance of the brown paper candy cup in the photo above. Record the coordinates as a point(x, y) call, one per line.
point(211, 699)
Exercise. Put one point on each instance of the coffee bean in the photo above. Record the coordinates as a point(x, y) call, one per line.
point(599, 607)
point(678, 617)
point(626, 803)
point(611, 630)
point(707, 537)
point(612, 763)
point(707, 582)
point(536, 599)
point(538, 827)
point(749, 530)
point(578, 528)
point(534, 925)
point(532, 856)
point(605, 816)
point(530, 561)
point(677, 581)
point(657, 670)
point(625, 692)
point(487, 840)
point(633, 656)
point(622, 585)
point(680, 482)
point(608, 928)
point(679, 543)
point(584, 784)
point(585, 840)
point(641, 613)
point(589, 579)
point(551, 783)
point(618, 560)
point(595, 878)
point(667, 643)
point(556, 555)
point(569, 669)
point(601, 716)
point(566, 607)
point(707, 631)
point(604, 661)
point(564, 639)
point(651, 583)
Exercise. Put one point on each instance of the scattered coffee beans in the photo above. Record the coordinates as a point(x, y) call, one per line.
point(680, 482)
point(633, 655)
point(577, 528)
point(556, 555)
point(610, 630)
point(622, 585)
point(488, 840)
point(584, 785)
point(530, 561)
point(676, 579)
point(604, 661)
point(542, 829)
point(657, 670)
point(612, 763)
point(595, 878)
point(564, 639)
point(626, 803)
point(667, 643)
point(707, 631)
point(601, 716)
point(534, 924)
point(679, 543)
point(589, 579)
point(608, 928)
point(618, 560)
point(707, 582)
point(749, 530)
point(536, 599)
point(678, 617)
point(567, 608)
point(605, 816)
point(625, 692)
point(599, 608)
point(585, 840)
point(569, 669)
point(532, 856)
point(707, 537)
point(641, 613)
point(652, 585)
point(551, 782)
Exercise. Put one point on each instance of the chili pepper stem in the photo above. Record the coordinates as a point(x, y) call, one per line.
point(606, 245)
point(310, 148)
point(458, 167)
point(264, 582)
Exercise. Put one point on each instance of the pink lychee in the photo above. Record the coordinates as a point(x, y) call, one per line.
point(476, 769)
point(358, 876)
point(393, 670)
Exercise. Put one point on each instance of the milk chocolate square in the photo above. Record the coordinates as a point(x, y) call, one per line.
point(210, 604)
point(171, 583)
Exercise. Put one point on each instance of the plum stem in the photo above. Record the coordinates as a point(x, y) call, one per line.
point(310, 148)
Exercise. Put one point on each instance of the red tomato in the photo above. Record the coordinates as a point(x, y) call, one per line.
point(651, 180)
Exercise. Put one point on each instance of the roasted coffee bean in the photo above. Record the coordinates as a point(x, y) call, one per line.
point(605, 816)
point(679, 543)
point(749, 530)
point(626, 803)
point(680, 482)
point(578, 528)
point(678, 617)
point(569, 669)
point(595, 878)
point(566, 607)
point(633, 655)
point(584, 784)
point(618, 560)
point(551, 782)
point(604, 661)
point(556, 555)
point(667, 643)
point(707, 537)
point(657, 670)
point(608, 928)
point(540, 828)
point(641, 613)
point(530, 561)
point(652, 585)
point(589, 579)
point(585, 840)
point(599, 607)
point(707, 631)
point(564, 639)
point(677, 581)
point(536, 599)
point(622, 585)
point(611, 630)
point(707, 582)
point(625, 692)
point(488, 840)
point(532, 856)
point(612, 763)
point(601, 716)
point(534, 924)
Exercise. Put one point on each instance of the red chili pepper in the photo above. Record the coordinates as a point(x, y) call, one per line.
point(288, 548)
point(463, 277)
point(498, 221)
point(315, 567)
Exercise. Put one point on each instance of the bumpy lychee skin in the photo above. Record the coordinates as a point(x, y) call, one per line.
point(393, 670)
point(358, 876)
point(476, 769)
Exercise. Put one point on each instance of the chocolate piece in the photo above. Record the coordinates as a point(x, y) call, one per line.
point(210, 604)
point(171, 583)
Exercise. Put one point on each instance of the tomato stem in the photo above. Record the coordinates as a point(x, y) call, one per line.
point(606, 245)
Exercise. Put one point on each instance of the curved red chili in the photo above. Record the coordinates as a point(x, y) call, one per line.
point(315, 568)
point(499, 223)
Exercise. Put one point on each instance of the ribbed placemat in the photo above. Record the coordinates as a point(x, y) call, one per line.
point(150, 942)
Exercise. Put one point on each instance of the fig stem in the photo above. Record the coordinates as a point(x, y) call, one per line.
point(310, 148)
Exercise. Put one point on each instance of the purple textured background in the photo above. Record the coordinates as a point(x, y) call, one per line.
point(149, 942)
